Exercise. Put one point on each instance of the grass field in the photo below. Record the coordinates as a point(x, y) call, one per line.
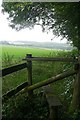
point(12, 55)
point(20, 52)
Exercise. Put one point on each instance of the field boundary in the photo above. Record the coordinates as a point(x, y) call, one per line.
point(28, 87)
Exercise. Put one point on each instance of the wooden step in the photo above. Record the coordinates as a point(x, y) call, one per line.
point(53, 101)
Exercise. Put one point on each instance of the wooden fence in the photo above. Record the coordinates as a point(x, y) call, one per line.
point(27, 86)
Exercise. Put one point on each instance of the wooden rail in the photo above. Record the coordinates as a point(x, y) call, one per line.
point(51, 80)
point(14, 91)
point(12, 69)
point(39, 84)
point(57, 59)
point(29, 87)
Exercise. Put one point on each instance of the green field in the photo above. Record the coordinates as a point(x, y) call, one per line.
point(17, 51)
point(12, 55)
point(22, 51)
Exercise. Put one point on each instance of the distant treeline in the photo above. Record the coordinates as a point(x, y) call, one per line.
point(48, 45)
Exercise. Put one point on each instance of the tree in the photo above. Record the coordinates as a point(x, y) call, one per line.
point(61, 18)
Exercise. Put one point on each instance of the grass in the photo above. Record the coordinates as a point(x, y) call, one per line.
point(17, 53)
point(41, 71)
point(13, 54)
point(21, 51)
point(11, 81)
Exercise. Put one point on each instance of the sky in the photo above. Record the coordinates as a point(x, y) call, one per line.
point(36, 34)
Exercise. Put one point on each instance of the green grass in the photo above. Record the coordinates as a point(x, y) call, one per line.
point(12, 55)
point(20, 52)
point(15, 54)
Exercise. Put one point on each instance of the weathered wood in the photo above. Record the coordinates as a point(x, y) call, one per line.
point(54, 113)
point(29, 68)
point(53, 101)
point(51, 80)
point(62, 59)
point(75, 104)
point(12, 69)
point(14, 91)
point(37, 85)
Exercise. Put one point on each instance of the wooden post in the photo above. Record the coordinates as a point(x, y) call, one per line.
point(53, 101)
point(53, 113)
point(29, 68)
point(75, 104)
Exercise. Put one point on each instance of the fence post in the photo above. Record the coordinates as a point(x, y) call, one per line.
point(75, 104)
point(29, 68)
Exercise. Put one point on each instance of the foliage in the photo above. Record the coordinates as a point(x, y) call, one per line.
point(61, 18)
point(21, 107)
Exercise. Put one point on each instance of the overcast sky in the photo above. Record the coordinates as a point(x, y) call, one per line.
point(36, 34)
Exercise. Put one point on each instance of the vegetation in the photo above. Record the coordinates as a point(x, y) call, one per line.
point(16, 54)
point(61, 18)
point(12, 55)
point(21, 107)
point(41, 71)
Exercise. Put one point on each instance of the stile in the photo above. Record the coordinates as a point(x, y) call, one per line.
point(53, 101)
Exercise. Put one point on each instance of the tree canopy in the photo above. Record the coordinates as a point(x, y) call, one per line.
point(61, 18)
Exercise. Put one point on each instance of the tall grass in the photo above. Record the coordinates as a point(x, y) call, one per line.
point(7, 60)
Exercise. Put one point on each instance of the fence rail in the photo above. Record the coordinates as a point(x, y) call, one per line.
point(57, 59)
point(14, 91)
point(12, 69)
point(51, 80)
point(29, 87)
point(39, 84)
